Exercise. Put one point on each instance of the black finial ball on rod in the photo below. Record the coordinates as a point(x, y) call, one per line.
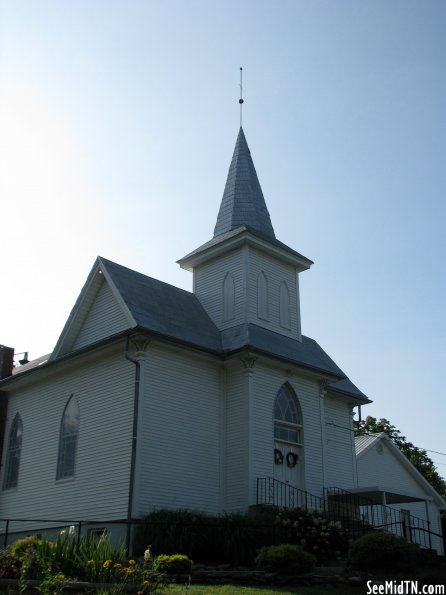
point(241, 101)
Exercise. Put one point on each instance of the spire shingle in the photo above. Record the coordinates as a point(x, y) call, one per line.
point(243, 202)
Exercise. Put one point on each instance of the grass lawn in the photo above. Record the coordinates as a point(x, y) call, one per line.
point(243, 590)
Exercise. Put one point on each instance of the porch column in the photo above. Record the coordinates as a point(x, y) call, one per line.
point(428, 523)
point(384, 505)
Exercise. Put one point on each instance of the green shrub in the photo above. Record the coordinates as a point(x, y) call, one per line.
point(22, 546)
point(173, 564)
point(285, 558)
point(380, 551)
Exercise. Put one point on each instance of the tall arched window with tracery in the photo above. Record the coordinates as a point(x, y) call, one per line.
point(289, 465)
point(69, 431)
point(288, 417)
point(228, 298)
point(13, 454)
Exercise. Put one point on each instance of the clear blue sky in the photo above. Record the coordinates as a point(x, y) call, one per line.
point(117, 125)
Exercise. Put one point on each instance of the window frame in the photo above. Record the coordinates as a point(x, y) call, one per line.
point(281, 423)
point(67, 451)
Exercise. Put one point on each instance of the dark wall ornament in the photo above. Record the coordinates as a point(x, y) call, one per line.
point(291, 459)
point(278, 456)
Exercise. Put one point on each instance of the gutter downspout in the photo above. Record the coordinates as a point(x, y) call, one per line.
point(134, 442)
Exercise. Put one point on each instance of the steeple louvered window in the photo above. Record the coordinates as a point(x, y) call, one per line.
point(284, 306)
point(13, 454)
point(228, 298)
point(262, 296)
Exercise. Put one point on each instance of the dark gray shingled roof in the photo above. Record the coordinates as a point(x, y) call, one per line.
point(243, 202)
point(307, 352)
point(346, 387)
point(178, 315)
point(163, 308)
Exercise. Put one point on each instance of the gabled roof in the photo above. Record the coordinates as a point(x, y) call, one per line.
point(163, 308)
point(243, 202)
point(364, 443)
point(177, 315)
point(145, 302)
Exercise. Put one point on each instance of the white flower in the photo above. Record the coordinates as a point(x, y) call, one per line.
point(147, 554)
point(71, 530)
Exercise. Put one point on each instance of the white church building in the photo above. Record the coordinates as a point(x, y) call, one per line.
point(155, 397)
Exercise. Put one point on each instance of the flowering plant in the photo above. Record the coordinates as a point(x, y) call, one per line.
point(9, 564)
point(318, 535)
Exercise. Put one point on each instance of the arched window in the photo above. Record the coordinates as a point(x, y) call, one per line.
point(262, 296)
point(13, 454)
point(69, 430)
point(287, 417)
point(228, 298)
point(284, 306)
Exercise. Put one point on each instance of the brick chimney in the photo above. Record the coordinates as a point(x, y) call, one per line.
point(6, 361)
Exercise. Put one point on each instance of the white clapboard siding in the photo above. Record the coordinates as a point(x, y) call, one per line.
point(340, 466)
point(208, 287)
point(237, 438)
point(380, 467)
point(245, 265)
point(103, 389)
point(180, 444)
point(104, 318)
point(276, 272)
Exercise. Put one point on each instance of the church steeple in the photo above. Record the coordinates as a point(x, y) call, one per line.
point(244, 275)
point(243, 203)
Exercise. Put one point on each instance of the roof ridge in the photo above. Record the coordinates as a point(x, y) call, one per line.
point(133, 272)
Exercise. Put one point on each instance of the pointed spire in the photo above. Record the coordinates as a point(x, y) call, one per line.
point(243, 203)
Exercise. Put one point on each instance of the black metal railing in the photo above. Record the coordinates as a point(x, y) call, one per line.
point(380, 516)
point(355, 511)
point(272, 492)
point(78, 528)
